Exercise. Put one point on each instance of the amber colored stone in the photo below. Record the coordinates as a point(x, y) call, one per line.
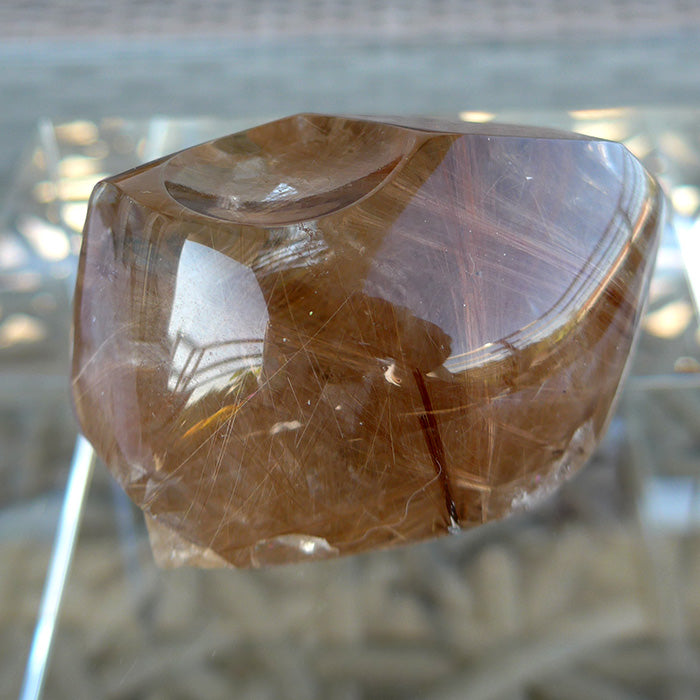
point(326, 334)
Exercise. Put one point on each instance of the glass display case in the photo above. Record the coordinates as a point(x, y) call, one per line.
point(594, 593)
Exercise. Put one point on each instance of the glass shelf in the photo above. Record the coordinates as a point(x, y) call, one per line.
point(594, 594)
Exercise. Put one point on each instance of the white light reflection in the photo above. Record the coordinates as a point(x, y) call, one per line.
point(77, 166)
point(610, 130)
point(282, 191)
point(277, 548)
point(688, 233)
point(50, 242)
point(602, 113)
point(21, 329)
point(80, 133)
point(73, 215)
point(480, 117)
point(686, 199)
point(217, 323)
point(670, 321)
point(75, 189)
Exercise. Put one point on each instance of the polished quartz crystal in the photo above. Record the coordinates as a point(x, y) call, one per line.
point(329, 334)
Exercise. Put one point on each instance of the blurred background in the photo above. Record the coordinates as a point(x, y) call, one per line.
point(594, 595)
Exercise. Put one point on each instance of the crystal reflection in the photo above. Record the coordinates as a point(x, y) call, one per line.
point(318, 382)
point(291, 247)
point(211, 349)
point(506, 261)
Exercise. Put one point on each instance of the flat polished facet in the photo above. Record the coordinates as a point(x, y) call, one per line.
point(329, 334)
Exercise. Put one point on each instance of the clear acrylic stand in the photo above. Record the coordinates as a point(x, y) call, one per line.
point(59, 566)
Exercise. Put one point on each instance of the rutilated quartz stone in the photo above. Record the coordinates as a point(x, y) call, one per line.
point(327, 334)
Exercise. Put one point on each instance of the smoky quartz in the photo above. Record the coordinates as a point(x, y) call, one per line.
point(329, 334)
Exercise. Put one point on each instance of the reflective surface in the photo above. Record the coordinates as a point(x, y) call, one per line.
point(551, 603)
point(382, 334)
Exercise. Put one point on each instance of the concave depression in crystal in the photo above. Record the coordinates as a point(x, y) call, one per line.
point(329, 334)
